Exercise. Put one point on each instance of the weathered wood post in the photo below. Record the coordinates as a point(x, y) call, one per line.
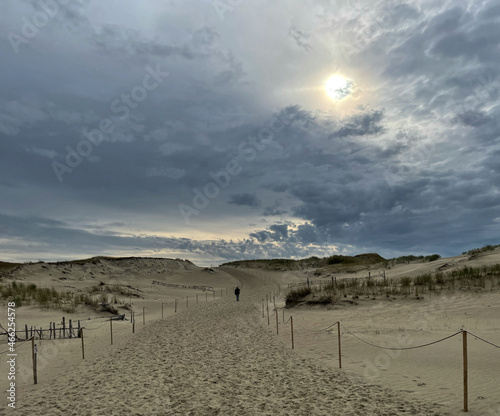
point(277, 328)
point(34, 352)
point(268, 323)
point(64, 327)
point(83, 345)
point(133, 323)
point(26, 329)
point(291, 327)
point(70, 329)
point(111, 329)
point(466, 384)
point(340, 344)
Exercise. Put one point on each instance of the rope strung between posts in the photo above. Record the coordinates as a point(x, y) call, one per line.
point(17, 343)
point(316, 330)
point(97, 327)
point(401, 348)
point(488, 342)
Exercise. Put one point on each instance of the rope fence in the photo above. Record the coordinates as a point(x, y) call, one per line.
point(34, 333)
point(339, 325)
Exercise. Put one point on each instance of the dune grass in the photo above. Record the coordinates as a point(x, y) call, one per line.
point(467, 278)
point(46, 298)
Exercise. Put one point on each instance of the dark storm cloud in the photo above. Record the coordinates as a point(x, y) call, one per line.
point(123, 42)
point(409, 163)
point(249, 200)
point(361, 125)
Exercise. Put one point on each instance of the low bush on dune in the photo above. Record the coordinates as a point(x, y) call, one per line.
point(296, 295)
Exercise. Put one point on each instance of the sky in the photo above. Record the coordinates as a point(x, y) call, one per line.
point(209, 130)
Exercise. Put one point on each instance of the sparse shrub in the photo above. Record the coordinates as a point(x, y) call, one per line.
point(295, 295)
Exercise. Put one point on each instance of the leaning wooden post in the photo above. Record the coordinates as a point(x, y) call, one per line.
point(340, 344)
point(466, 387)
point(143, 315)
point(291, 326)
point(111, 328)
point(277, 328)
point(268, 323)
point(133, 323)
point(26, 329)
point(162, 310)
point(83, 345)
point(34, 354)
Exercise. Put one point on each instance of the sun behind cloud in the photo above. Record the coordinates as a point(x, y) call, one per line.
point(338, 87)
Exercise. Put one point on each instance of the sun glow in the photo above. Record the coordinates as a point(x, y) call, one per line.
point(338, 87)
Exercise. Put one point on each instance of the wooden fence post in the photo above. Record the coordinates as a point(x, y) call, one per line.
point(64, 327)
point(70, 329)
point(133, 323)
point(340, 344)
point(34, 354)
point(268, 323)
point(466, 386)
point(83, 345)
point(277, 327)
point(291, 326)
point(26, 329)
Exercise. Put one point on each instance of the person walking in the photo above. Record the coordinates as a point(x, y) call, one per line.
point(237, 293)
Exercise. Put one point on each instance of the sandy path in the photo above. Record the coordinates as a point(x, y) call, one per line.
point(215, 359)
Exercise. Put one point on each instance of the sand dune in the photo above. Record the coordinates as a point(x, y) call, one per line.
point(221, 358)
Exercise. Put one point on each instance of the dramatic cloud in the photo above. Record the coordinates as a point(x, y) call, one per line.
point(178, 129)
